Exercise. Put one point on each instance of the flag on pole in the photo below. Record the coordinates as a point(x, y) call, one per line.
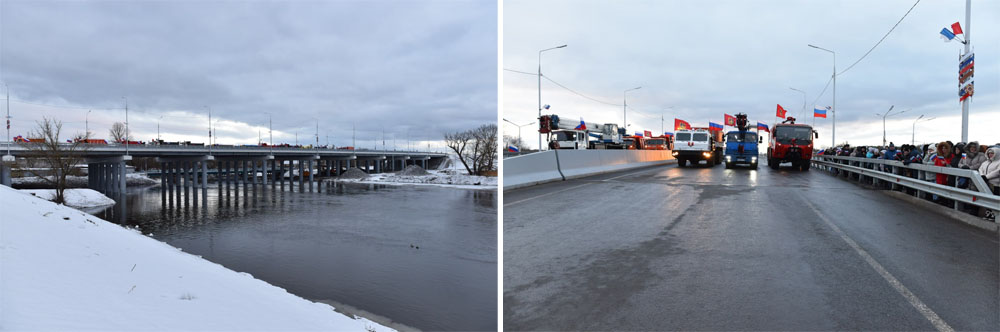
point(669, 134)
point(781, 112)
point(947, 35)
point(820, 112)
point(637, 134)
point(512, 149)
point(730, 120)
point(956, 28)
point(647, 133)
point(582, 126)
point(714, 126)
point(761, 126)
point(681, 124)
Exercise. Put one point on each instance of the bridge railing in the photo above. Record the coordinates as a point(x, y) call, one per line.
point(892, 172)
point(222, 148)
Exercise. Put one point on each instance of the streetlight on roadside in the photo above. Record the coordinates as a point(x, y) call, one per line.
point(209, 130)
point(519, 129)
point(833, 135)
point(625, 104)
point(803, 102)
point(158, 140)
point(540, 89)
point(126, 125)
point(913, 131)
point(885, 115)
point(86, 121)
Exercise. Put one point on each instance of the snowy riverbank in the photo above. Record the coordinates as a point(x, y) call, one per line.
point(444, 178)
point(131, 180)
point(75, 198)
point(63, 269)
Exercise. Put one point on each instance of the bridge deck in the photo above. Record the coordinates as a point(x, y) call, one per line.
point(716, 249)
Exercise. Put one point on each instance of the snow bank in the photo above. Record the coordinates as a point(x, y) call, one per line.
point(67, 270)
point(72, 181)
point(444, 178)
point(77, 198)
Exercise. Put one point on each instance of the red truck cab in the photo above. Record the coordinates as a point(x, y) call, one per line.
point(791, 142)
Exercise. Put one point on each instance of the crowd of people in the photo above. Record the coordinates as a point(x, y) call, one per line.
point(971, 156)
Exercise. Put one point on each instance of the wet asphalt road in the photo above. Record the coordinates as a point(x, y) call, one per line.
point(715, 249)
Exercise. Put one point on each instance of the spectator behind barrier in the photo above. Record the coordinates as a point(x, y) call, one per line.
point(990, 169)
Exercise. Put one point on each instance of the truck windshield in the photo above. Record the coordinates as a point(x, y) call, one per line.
point(745, 137)
point(654, 141)
point(785, 134)
point(683, 137)
point(563, 136)
point(700, 137)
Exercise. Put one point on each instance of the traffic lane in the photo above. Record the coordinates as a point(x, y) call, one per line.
point(514, 196)
point(763, 181)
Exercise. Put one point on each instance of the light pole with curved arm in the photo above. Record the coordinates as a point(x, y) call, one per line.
point(885, 115)
point(833, 135)
point(913, 131)
point(540, 89)
point(625, 104)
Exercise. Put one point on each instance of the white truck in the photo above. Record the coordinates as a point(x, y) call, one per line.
point(698, 144)
point(576, 135)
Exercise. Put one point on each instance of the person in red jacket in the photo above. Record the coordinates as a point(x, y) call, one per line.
point(944, 158)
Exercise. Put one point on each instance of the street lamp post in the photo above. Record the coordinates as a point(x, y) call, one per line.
point(885, 115)
point(158, 130)
point(209, 130)
point(833, 135)
point(126, 125)
point(540, 89)
point(9, 143)
point(519, 129)
point(804, 104)
point(86, 123)
point(625, 104)
point(913, 131)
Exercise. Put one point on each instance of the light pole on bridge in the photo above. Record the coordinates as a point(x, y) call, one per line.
point(885, 115)
point(625, 104)
point(519, 130)
point(833, 133)
point(539, 90)
point(86, 123)
point(913, 131)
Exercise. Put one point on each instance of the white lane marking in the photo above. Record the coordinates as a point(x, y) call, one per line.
point(545, 194)
point(931, 316)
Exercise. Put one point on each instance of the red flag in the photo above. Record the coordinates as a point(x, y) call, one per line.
point(730, 120)
point(681, 124)
point(956, 29)
point(647, 133)
point(781, 112)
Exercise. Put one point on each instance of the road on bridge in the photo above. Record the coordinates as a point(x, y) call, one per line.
point(715, 249)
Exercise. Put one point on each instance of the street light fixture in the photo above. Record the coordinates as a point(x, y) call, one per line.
point(519, 128)
point(540, 88)
point(833, 135)
point(885, 115)
point(625, 103)
point(913, 131)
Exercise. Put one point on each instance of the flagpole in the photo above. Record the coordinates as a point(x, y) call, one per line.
point(965, 103)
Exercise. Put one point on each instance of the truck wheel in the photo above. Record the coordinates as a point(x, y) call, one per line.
point(681, 162)
point(754, 166)
point(729, 166)
point(805, 166)
point(710, 162)
point(772, 163)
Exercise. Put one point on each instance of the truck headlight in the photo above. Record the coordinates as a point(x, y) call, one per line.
point(728, 158)
point(674, 153)
point(706, 154)
point(754, 159)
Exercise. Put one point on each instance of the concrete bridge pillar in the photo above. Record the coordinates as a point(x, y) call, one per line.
point(310, 164)
point(204, 180)
point(301, 176)
point(281, 173)
point(5, 166)
point(253, 172)
point(184, 181)
point(263, 165)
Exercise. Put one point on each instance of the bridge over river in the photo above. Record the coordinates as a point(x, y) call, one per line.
point(187, 167)
point(669, 248)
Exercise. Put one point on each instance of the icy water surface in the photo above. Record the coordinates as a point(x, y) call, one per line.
point(353, 244)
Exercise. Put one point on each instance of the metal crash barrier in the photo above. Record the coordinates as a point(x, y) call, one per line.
point(881, 172)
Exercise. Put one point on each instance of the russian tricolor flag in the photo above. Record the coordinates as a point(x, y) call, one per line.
point(582, 126)
point(820, 112)
point(714, 126)
point(761, 126)
point(512, 148)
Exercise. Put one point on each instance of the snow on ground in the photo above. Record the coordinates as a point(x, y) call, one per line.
point(62, 269)
point(77, 198)
point(72, 181)
point(443, 178)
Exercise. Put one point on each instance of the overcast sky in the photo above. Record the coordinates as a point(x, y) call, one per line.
point(416, 68)
point(697, 60)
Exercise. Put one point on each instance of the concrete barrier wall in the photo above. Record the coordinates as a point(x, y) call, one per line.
point(541, 167)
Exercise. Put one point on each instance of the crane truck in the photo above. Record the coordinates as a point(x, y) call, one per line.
point(741, 145)
point(569, 135)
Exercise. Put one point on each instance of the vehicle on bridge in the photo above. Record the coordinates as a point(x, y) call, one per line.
point(661, 142)
point(562, 135)
point(698, 144)
point(791, 142)
point(741, 145)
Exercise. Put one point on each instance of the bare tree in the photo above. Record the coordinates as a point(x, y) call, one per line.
point(476, 148)
point(48, 152)
point(459, 142)
point(119, 133)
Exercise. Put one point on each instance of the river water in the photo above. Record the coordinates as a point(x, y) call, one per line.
point(355, 244)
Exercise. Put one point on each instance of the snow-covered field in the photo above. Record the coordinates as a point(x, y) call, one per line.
point(444, 178)
point(62, 269)
point(77, 198)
